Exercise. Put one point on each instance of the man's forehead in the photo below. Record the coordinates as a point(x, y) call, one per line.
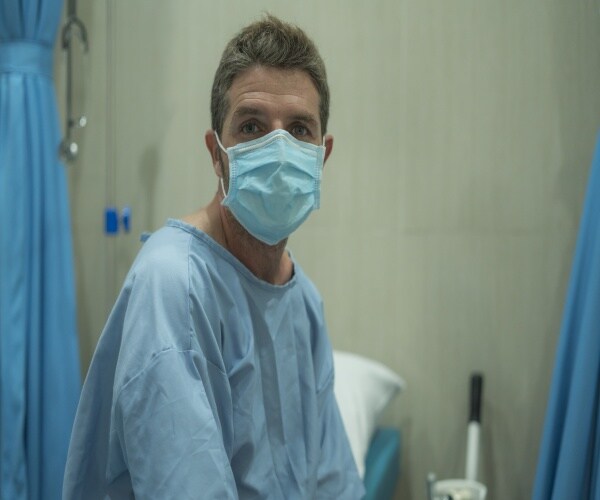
point(258, 89)
point(269, 76)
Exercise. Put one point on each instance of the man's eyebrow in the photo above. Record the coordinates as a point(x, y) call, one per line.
point(306, 118)
point(244, 111)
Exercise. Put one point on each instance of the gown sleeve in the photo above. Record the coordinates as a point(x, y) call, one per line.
point(166, 434)
point(169, 414)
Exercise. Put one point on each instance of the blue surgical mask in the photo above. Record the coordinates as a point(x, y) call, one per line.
point(274, 184)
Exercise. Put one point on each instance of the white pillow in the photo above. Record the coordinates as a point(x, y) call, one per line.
point(363, 388)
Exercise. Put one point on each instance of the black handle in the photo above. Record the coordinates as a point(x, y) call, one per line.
point(476, 392)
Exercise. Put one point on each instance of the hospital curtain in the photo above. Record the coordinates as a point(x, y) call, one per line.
point(39, 367)
point(569, 460)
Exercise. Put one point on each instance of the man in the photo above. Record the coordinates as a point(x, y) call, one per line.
point(213, 378)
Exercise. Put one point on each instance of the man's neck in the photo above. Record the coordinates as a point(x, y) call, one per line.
point(268, 263)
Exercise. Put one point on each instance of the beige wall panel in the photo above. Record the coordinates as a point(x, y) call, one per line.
point(463, 132)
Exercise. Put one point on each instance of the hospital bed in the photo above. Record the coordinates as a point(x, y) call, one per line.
point(383, 464)
point(363, 389)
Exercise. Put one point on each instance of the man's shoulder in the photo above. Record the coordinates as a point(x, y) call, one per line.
point(166, 253)
point(168, 242)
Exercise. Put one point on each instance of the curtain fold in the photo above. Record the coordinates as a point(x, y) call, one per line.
point(39, 359)
point(568, 463)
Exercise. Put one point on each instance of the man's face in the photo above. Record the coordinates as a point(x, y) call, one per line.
point(263, 99)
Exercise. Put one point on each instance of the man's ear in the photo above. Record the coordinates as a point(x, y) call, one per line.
point(213, 148)
point(328, 143)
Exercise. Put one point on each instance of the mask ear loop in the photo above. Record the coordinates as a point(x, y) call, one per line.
point(224, 151)
point(219, 142)
point(223, 187)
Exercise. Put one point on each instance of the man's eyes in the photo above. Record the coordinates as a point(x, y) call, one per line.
point(299, 131)
point(249, 128)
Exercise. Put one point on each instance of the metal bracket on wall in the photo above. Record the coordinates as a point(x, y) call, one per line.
point(73, 28)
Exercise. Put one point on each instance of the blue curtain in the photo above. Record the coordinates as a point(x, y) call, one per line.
point(569, 460)
point(39, 367)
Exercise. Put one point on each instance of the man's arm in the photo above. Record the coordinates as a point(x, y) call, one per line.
point(165, 434)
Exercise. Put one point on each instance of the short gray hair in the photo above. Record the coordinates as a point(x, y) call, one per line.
point(272, 43)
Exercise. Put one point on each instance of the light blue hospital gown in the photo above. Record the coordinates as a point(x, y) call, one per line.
point(208, 383)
